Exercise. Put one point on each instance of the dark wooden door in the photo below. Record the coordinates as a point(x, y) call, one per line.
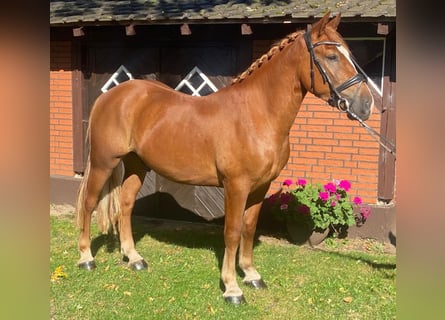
point(217, 63)
point(105, 60)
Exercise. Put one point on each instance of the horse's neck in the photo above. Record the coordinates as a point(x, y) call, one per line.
point(279, 86)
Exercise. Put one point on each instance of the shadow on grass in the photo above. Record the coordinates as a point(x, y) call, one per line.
point(184, 234)
point(172, 224)
point(368, 260)
point(109, 241)
point(179, 226)
point(376, 265)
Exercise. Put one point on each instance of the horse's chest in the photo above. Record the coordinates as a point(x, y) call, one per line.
point(274, 163)
point(278, 165)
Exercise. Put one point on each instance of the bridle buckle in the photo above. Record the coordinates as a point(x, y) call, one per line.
point(343, 104)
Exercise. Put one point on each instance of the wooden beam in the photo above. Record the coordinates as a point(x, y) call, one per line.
point(386, 178)
point(78, 106)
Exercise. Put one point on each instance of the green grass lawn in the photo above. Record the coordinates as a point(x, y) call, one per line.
point(183, 278)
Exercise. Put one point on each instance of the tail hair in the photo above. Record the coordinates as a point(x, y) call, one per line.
point(108, 209)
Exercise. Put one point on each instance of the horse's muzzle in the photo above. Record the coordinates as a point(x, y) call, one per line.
point(361, 109)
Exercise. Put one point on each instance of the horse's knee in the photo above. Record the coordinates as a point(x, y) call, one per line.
point(127, 203)
point(90, 204)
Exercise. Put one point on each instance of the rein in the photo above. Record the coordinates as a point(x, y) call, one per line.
point(336, 100)
point(385, 143)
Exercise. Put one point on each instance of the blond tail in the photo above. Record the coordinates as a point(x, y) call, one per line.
point(108, 207)
point(81, 196)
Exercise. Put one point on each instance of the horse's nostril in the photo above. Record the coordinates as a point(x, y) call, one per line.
point(368, 104)
point(366, 111)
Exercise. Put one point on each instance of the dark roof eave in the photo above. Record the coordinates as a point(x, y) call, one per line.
point(266, 20)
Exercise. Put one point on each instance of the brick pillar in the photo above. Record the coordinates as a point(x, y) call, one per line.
point(61, 115)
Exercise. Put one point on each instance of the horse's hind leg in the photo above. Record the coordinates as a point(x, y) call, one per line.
point(135, 172)
point(95, 179)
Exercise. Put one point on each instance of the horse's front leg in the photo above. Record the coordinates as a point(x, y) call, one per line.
point(133, 179)
point(235, 201)
point(251, 276)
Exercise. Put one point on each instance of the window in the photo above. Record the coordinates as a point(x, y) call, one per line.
point(370, 55)
point(196, 83)
point(120, 75)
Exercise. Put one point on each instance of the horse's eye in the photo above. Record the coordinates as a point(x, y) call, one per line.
point(332, 57)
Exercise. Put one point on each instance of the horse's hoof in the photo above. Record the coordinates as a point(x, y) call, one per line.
point(87, 265)
point(139, 265)
point(256, 284)
point(236, 300)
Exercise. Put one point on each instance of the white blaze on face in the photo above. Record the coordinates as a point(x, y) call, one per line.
point(346, 54)
point(348, 57)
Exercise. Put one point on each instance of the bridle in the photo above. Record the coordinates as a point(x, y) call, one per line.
point(335, 99)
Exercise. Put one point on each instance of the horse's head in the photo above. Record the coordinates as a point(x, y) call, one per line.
point(334, 75)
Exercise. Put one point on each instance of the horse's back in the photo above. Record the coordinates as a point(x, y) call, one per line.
point(128, 103)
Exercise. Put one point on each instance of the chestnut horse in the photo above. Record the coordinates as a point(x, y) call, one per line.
point(236, 138)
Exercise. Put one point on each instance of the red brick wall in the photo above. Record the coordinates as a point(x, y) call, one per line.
point(326, 145)
point(61, 116)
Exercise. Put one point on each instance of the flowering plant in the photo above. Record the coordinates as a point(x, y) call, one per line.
point(319, 206)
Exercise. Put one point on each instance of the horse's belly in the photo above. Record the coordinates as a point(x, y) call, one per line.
point(184, 170)
point(189, 177)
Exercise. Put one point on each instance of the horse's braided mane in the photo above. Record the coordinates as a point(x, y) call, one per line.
point(267, 56)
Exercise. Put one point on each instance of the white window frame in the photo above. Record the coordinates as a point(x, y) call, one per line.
point(113, 78)
point(195, 91)
point(370, 81)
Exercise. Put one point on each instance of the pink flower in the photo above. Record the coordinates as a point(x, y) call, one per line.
point(301, 182)
point(330, 187)
point(323, 196)
point(357, 200)
point(287, 182)
point(345, 185)
point(365, 212)
point(333, 204)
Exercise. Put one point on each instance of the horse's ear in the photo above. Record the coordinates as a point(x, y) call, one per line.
point(335, 22)
point(318, 28)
